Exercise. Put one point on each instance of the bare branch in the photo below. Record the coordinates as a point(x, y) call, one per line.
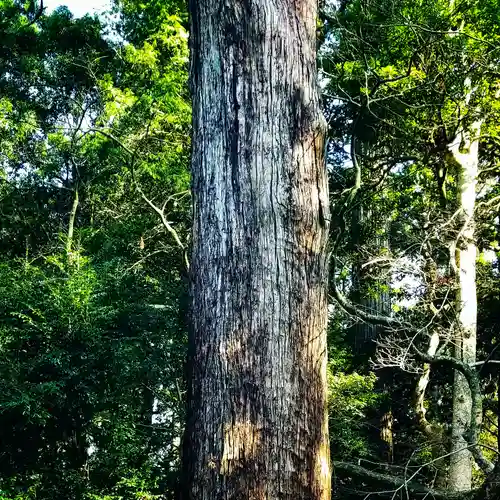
point(487, 361)
point(397, 483)
point(160, 211)
point(470, 374)
point(168, 226)
point(140, 261)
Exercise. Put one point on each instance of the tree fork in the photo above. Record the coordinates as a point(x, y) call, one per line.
point(257, 423)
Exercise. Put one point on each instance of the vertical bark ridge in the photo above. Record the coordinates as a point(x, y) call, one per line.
point(257, 426)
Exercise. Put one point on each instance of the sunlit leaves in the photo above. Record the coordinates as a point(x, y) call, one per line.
point(86, 338)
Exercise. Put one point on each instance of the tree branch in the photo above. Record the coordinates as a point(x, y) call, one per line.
point(396, 482)
point(38, 14)
point(160, 211)
point(470, 374)
point(350, 308)
point(165, 222)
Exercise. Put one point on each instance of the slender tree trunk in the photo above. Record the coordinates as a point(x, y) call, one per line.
point(365, 335)
point(465, 154)
point(423, 382)
point(257, 424)
point(387, 436)
point(433, 431)
point(71, 226)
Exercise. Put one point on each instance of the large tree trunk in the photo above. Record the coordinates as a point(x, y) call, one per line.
point(257, 423)
point(465, 154)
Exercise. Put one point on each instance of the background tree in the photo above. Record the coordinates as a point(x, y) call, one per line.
point(417, 108)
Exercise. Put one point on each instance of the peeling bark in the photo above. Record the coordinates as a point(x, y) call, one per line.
point(257, 426)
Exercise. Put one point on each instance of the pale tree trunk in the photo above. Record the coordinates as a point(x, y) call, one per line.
point(465, 153)
point(423, 381)
point(257, 423)
point(70, 256)
point(433, 431)
point(71, 226)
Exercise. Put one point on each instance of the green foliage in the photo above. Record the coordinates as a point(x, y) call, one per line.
point(350, 397)
point(142, 19)
point(92, 338)
point(69, 370)
point(403, 81)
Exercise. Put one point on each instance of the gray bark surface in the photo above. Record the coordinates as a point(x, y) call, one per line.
point(257, 423)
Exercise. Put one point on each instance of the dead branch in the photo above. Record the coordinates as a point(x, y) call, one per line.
point(416, 489)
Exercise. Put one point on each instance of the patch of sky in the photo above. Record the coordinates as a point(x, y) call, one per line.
point(79, 8)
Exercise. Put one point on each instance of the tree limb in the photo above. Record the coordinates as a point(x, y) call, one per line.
point(416, 489)
point(470, 374)
point(160, 211)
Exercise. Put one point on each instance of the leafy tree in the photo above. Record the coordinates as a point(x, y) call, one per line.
point(94, 134)
point(412, 93)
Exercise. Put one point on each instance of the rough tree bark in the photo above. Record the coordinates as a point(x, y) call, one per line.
point(257, 426)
